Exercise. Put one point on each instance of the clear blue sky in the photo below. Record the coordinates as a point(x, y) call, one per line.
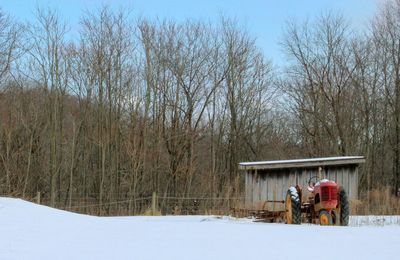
point(263, 18)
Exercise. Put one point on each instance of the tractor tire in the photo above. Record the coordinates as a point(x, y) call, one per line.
point(335, 217)
point(292, 207)
point(325, 219)
point(344, 208)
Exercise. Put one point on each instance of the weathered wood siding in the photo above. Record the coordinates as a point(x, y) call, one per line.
point(262, 185)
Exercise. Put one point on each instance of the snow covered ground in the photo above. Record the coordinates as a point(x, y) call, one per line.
point(30, 231)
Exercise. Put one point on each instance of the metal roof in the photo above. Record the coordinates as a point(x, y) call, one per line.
point(302, 163)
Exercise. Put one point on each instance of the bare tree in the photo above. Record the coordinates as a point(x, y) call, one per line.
point(320, 83)
point(10, 33)
point(47, 67)
point(386, 35)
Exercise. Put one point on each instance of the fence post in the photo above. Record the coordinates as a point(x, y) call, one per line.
point(38, 197)
point(154, 203)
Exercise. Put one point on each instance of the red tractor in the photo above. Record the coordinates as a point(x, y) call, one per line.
point(327, 205)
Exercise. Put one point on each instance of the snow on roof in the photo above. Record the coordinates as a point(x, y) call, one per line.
point(301, 163)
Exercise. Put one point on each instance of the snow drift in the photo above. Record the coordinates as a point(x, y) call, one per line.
point(30, 231)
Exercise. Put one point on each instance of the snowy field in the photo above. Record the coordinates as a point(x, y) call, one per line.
point(29, 231)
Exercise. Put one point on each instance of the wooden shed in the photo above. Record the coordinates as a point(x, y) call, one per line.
point(270, 180)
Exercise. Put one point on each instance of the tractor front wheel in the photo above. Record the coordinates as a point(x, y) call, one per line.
point(325, 219)
point(335, 217)
point(344, 208)
point(292, 207)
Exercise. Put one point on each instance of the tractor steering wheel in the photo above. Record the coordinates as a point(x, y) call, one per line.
point(311, 183)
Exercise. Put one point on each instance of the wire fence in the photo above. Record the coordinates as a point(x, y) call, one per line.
point(113, 204)
point(146, 205)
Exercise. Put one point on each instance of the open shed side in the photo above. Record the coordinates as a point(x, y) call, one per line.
point(270, 180)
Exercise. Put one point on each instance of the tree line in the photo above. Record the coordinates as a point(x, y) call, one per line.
point(126, 107)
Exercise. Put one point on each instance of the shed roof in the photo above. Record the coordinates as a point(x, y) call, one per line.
point(302, 163)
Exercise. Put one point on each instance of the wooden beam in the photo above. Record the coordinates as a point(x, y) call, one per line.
point(304, 164)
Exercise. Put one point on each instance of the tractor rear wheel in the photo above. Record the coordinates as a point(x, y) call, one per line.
point(292, 207)
point(344, 208)
point(325, 219)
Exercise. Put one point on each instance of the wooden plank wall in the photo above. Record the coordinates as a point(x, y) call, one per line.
point(273, 185)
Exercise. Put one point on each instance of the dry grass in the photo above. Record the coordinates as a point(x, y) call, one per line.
point(150, 212)
point(376, 202)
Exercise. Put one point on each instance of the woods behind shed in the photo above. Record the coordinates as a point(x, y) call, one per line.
point(270, 180)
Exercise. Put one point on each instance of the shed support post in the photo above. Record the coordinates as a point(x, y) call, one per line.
point(154, 203)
